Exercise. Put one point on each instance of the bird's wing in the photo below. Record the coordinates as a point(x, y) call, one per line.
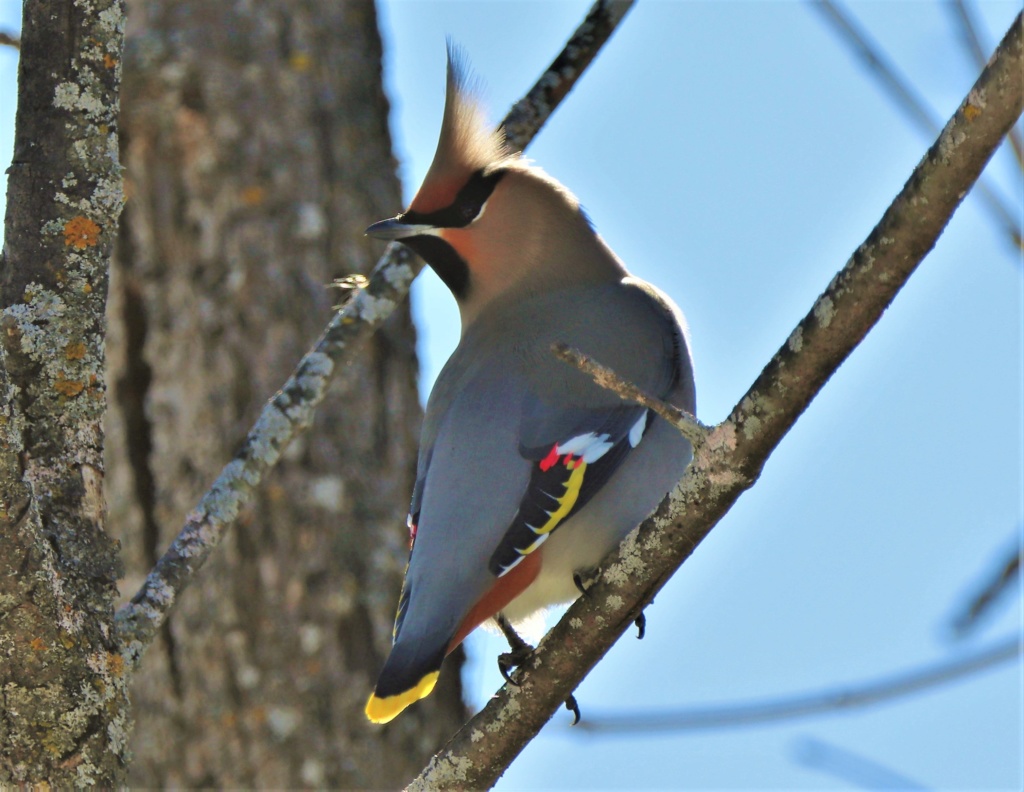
point(580, 452)
point(514, 443)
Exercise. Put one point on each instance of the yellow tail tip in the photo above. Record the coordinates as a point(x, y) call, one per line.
point(386, 708)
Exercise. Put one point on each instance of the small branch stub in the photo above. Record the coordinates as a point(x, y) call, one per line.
point(690, 428)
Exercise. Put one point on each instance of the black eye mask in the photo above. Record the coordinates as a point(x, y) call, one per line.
point(466, 206)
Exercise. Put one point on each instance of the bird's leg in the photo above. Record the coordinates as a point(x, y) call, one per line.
point(584, 579)
point(518, 654)
point(641, 626)
point(520, 650)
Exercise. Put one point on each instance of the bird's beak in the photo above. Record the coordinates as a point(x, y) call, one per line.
point(394, 228)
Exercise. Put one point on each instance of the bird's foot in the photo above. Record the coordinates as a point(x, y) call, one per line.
point(641, 626)
point(519, 650)
point(509, 661)
point(584, 579)
point(574, 708)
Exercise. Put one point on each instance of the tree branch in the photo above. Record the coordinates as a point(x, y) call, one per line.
point(803, 705)
point(291, 411)
point(736, 450)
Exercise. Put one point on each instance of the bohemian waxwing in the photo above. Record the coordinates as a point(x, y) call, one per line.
point(528, 472)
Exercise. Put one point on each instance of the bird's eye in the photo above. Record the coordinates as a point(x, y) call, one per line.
point(470, 212)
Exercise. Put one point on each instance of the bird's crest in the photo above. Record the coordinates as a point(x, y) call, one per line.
point(467, 143)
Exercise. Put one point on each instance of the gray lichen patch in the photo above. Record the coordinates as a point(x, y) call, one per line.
point(399, 276)
point(630, 563)
point(69, 96)
point(68, 363)
point(824, 310)
point(373, 309)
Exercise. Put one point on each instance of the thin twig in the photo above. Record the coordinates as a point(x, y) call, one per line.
point(736, 450)
point(692, 429)
point(997, 582)
point(906, 99)
point(290, 412)
point(969, 32)
point(895, 84)
point(852, 768)
point(10, 40)
point(803, 705)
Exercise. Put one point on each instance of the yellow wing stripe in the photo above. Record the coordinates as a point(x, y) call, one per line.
point(382, 710)
point(565, 503)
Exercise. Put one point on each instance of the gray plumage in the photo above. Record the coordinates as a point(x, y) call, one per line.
point(500, 477)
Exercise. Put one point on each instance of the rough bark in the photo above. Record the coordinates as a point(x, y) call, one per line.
point(256, 143)
point(63, 705)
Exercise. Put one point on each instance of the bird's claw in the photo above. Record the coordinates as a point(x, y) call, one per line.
point(508, 661)
point(641, 626)
point(574, 708)
point(584, 580)
point(519, 653)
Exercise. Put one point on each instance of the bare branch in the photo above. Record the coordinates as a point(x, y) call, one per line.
point(895, 84)
point(803, 705)
point(533, 110)
point(854, 769)
point(967, 22)
point(291, 410)
point(692, 429)
point(998, 581)
point(906, 98)
point(9, 40)
point(731, 459)
point(969, 31)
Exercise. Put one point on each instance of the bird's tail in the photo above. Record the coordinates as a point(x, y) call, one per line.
point(409, 674)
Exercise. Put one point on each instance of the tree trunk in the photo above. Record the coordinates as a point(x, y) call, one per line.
point(63, 703)
point(257, 150)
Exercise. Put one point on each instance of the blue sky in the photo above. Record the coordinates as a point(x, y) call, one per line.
point(735, 154)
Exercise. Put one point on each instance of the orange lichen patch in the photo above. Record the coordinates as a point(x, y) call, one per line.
point(300, 61)
point(87, 288)
point(81, 232)
point(253, 196)
point(115, 663)
point(66, 387)
point(109, 61)
point(972, 112)
point(75, 351)
point(73, 761)
point(38, 645)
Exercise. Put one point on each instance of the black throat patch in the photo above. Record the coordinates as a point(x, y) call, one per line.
point(442, 258)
